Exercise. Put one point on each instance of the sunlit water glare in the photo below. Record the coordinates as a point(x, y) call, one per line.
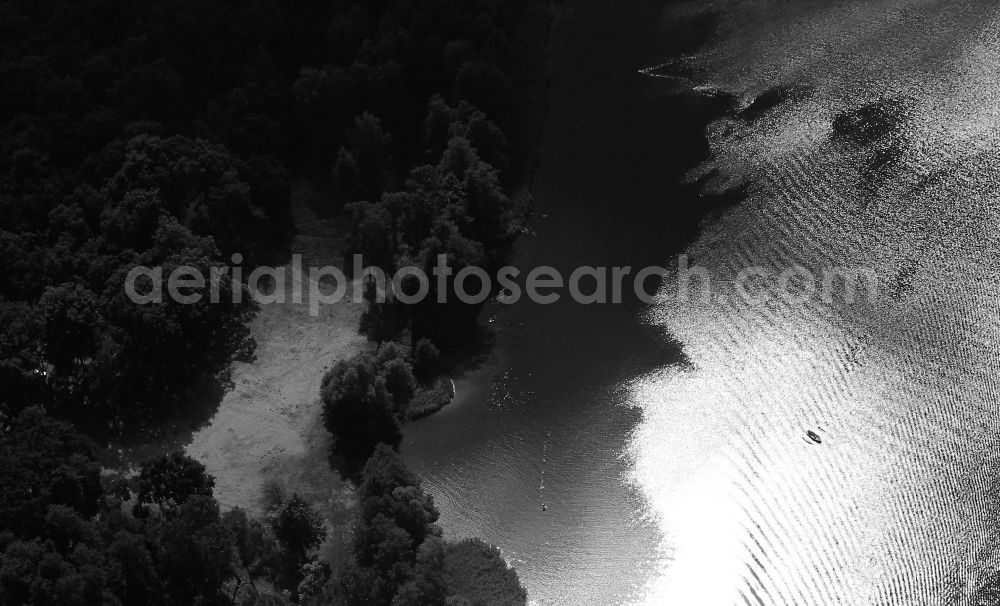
point(896, 505)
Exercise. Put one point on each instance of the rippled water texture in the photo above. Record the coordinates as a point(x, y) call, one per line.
point(882, 152)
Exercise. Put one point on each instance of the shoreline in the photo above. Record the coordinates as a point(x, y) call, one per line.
point(227, 437)
point(296, 447)
point(280, 389)
point(549, 419)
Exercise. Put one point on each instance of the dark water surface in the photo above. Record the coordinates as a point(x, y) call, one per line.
point(547, 420)
point(695, 483)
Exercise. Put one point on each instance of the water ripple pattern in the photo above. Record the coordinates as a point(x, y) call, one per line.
point(886, 157)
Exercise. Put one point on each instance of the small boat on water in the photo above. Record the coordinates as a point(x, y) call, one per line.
point(812, 435)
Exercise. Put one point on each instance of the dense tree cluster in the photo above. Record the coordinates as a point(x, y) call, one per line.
point(455, 209)
point(71, 537)
point(476, 573)
point(366, 397)
point(389, 58)
point(75, 340)
point(422, 178)
point(421, 169)
point(137, 133)
point(400, 557)
point(159, 538)
point(134, 134)
point(421, 162)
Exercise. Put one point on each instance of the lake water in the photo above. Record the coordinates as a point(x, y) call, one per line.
point(669, 441)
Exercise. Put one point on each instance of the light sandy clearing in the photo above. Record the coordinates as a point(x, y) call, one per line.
point(269, 426)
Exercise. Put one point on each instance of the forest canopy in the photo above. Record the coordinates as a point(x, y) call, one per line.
point(169, 134)
point(72, 536)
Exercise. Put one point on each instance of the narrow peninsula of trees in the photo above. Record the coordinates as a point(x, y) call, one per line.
point(441, 172)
